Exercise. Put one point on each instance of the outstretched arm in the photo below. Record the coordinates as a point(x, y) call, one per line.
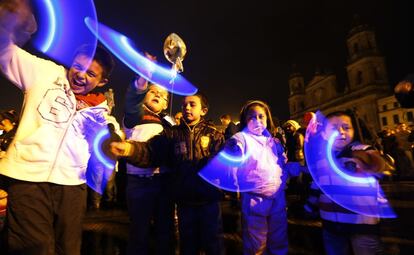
point(135, 95)
point(370, 160)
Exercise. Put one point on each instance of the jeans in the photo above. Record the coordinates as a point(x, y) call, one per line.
point(361, 244)
point(201, 229)
point(149, 198)
point(264, 224)
point(44, 218)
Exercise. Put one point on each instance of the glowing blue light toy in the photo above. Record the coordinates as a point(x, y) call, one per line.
point(358, 192)
point(102, 136)
point(122, 48)
point(336, 168)
point(62, 30)
point(226, 170)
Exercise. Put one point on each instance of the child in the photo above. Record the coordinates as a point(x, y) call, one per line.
point(342, 228)
point(186, 149)
point(264, 220)
point(148, 189)
point(46, 162)
point(8, 124)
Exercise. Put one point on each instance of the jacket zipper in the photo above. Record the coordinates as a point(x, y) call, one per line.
point(63, 139)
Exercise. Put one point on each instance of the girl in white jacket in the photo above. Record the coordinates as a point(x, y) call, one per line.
point(264, 220)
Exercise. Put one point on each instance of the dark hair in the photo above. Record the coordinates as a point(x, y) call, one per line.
point(246, 108)
point(203, 100)
point(102, 57)
point(359, 127)
point(225, 116)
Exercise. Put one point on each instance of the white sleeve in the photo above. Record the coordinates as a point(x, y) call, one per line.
point(22, 68)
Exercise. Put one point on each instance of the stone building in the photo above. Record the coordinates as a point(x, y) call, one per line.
point(367, 83)
point(391, 114)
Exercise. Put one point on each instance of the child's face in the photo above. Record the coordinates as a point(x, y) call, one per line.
point(156, 98)
point(225, 121)
point(192, 109)
point(85, 75)
point(343, 125)
point(256, 120)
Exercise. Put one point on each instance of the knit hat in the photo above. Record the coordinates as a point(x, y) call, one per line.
point(293, 123)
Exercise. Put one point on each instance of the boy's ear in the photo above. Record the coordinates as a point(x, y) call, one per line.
point(204, 111)
point(102, 82)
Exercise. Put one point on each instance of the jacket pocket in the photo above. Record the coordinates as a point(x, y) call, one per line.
point(256, 205)
point(39, 146)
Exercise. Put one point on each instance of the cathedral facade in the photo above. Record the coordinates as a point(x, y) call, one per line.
point(367, 83)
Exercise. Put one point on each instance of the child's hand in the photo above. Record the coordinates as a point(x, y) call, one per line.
point(367, 161)
point(353, 165)
point(121, 149)
point(231, 147)
point(17, 21)
point(141, 82)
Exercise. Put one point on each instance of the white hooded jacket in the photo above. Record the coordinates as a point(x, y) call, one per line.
point(53, 140)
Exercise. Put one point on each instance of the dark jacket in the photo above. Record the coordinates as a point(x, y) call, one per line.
point(186, 150)
point(230, 130)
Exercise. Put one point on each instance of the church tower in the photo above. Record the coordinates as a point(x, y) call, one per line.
point(366, 66)
point(297, 93)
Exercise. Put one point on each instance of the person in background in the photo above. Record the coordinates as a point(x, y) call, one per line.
point(230, 127)
point(177, 117)
point(8, 124)
point(294, 141)
point(404, 91)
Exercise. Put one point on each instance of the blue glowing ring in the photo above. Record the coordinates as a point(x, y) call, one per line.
point(336, 168)
point(230, 159)
point(100, 137)
point(62, 29)
point(122, 48)
point(227, 172)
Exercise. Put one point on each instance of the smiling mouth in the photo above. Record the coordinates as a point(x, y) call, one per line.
point(77, 83)
point(340, 139)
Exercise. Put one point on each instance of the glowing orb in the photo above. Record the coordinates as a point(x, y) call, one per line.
point(336, 168)
point(227, 170)
point(122, 48)
point(99, 143)
point(62, 30)
point(100, 164)
point(357, 192)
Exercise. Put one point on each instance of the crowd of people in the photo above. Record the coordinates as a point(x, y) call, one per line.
point(44, 180)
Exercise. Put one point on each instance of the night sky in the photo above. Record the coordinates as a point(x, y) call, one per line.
point(238, 51)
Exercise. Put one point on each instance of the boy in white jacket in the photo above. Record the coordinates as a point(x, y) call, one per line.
point(45, 164)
